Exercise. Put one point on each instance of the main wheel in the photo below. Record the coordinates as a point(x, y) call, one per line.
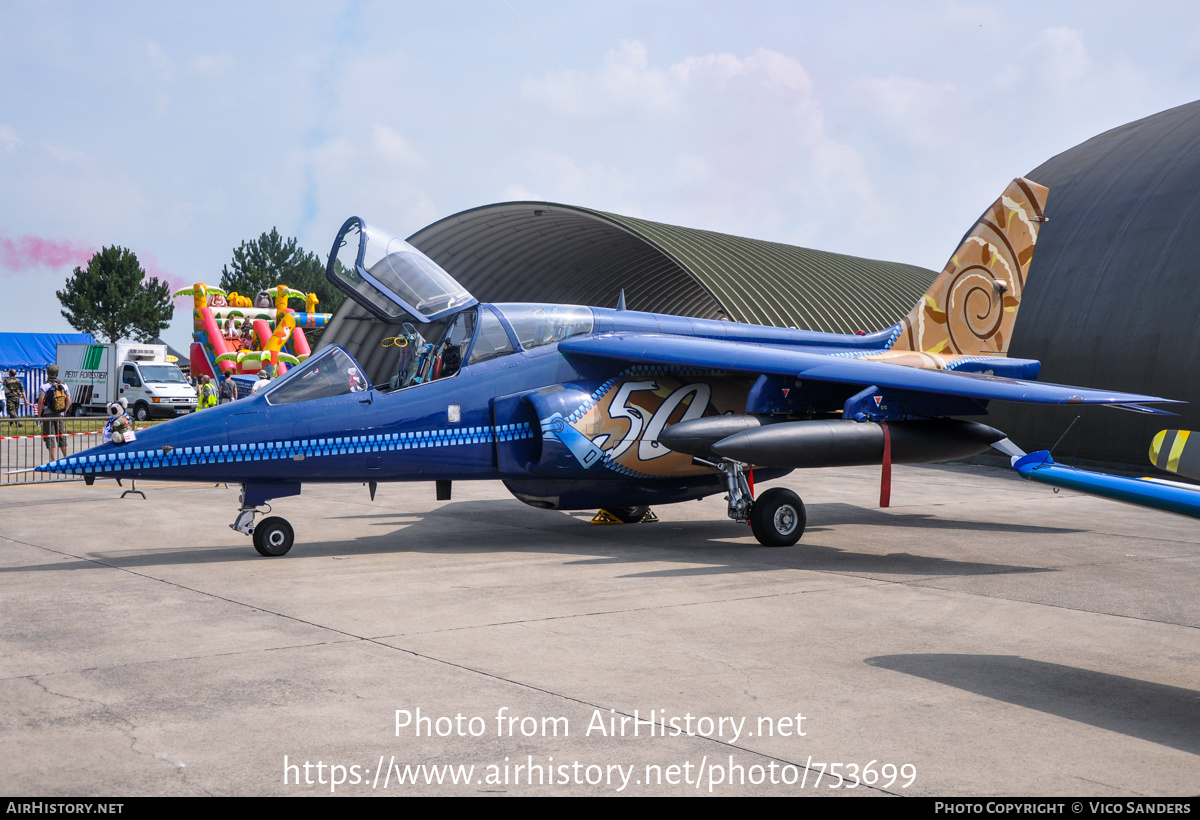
point(273, 537)
point(629, 515)
point(141, 412)
point(778, 518)
point(78, 410)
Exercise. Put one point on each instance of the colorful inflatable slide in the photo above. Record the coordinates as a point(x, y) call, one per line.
point(233, 334)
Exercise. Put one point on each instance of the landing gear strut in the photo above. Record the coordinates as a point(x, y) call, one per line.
point(777, 517)
point(740, 498)
point(273, 536)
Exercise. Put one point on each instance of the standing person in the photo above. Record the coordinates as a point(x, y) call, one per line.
point(14, 396)
point(53, 403)
point(227, 390)
point(263, 380)
point(208, 393)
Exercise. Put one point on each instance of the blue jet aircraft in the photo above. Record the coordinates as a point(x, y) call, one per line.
point(585, 407)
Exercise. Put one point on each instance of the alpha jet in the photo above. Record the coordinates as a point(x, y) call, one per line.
point(585, 407)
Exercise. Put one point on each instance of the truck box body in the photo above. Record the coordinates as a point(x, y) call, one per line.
point(98, 374)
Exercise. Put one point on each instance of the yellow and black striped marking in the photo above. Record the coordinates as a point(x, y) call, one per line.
point(1170, 451)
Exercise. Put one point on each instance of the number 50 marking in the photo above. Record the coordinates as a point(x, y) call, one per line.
point(648, 446)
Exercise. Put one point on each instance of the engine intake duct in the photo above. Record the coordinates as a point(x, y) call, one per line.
point(844, 443)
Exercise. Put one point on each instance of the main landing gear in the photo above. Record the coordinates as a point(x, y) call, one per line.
point(777, 517)
point(273, 536)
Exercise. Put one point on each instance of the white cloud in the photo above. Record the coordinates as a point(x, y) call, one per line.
point(558, 177)
point(65, 154)
point(395, 149)
point(714, 141)
point(375, 173)
point(718, 67)
point(913, 110)
point(1059, 58)
point(1058, 73)
point(158, 61)
point(625, 83)
point(213, 65)
point(9, 141)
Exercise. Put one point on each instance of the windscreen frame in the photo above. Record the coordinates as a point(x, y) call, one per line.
point(375, 295)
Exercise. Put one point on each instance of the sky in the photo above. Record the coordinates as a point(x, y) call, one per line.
point(876, 129)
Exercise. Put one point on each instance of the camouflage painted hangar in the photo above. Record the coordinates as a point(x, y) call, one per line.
point(1110, 300)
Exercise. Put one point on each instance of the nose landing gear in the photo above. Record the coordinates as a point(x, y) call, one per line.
point(273, 536)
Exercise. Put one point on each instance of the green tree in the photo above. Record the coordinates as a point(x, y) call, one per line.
point(112, 299)
point(271, 260)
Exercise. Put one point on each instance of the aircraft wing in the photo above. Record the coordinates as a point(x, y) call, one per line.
point(684, 351)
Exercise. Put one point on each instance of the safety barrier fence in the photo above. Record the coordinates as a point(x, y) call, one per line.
point(23, 447)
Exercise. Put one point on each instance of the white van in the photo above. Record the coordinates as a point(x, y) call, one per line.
point(98, 374)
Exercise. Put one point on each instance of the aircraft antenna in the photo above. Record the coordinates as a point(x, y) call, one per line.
point(1064, 435)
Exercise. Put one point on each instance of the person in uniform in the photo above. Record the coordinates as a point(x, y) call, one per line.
point(208, 393)
point(14, 396)
point(52, 416)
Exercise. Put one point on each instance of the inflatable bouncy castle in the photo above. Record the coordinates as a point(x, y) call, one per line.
point(234, 334)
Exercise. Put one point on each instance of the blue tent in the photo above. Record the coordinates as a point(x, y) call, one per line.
point(29, 353)
point(26, 351)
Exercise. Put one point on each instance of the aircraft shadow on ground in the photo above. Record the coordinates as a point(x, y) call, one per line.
point(472, 527)
point(1167, 715)
point(836, 514)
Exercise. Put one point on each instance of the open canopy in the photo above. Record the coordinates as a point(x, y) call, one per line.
point(391, 278)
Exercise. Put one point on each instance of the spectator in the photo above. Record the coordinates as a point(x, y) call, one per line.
point(14, 396)
point(208, 393)
point(264, 379)
point(53, 403)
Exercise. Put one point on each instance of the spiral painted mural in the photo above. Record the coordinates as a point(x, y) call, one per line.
point(972, 306)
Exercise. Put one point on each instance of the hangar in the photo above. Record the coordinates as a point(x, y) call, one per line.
point(547, 252)
point(1111, 300)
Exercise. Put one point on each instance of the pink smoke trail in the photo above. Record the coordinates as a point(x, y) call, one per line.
point(28, 252)
point(152, 268)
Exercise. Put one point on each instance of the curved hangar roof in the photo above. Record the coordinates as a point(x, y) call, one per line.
point(1112, 299)
point(544, 252)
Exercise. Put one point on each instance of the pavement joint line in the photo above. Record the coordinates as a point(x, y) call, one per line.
point(928, 582)
point(1043, 603)
point(528, 621)
point(1129, 559)
point(174, 660)
point(1109, 786)
point(414, 653)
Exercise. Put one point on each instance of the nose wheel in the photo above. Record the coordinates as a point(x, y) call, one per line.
point(273, 537)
